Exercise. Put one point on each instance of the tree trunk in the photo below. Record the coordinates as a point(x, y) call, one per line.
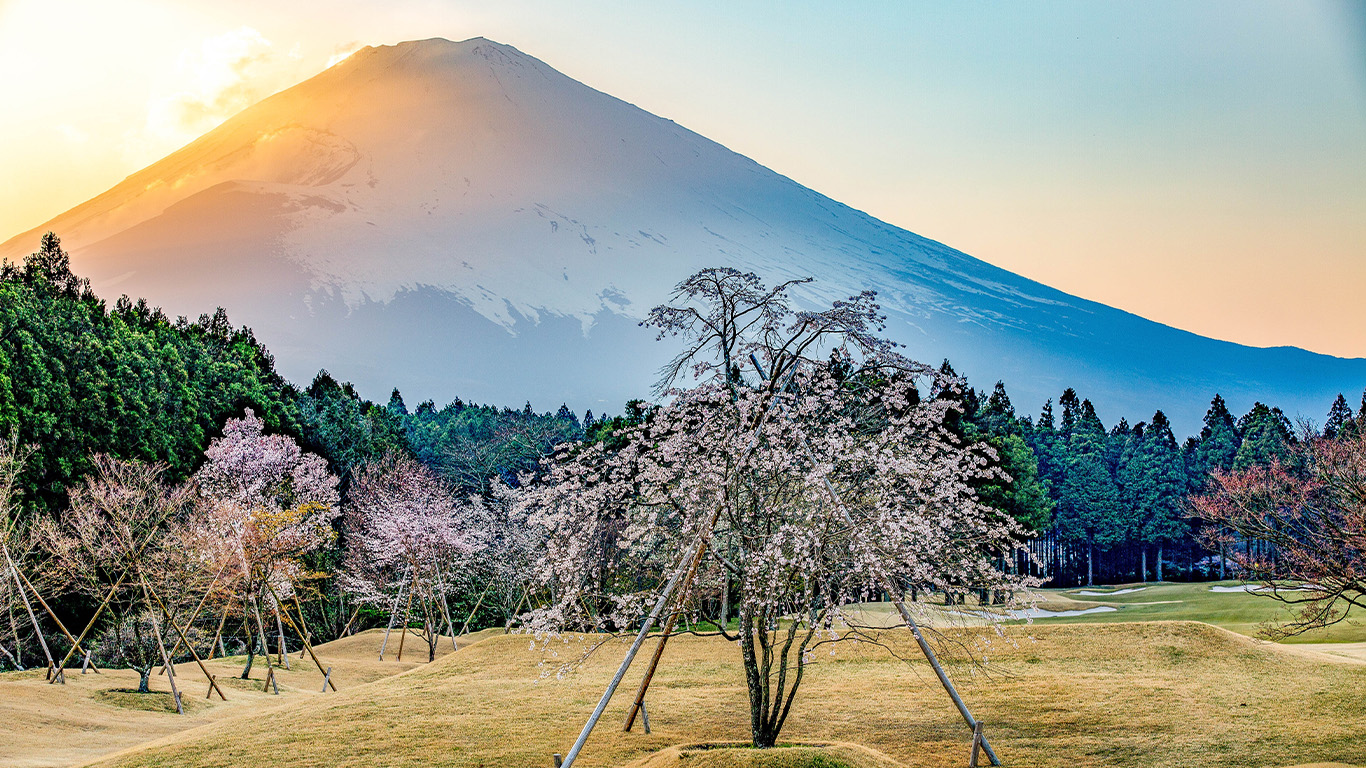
point(144, 676)
point(1159, 561)
point(1143, 569)
point(1090, 560)
point(250, 650)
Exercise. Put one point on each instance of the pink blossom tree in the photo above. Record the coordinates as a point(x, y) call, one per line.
point(408, 535)
point(813, 482)
point(265, 506)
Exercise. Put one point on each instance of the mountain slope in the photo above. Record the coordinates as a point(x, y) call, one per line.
point(459, 218)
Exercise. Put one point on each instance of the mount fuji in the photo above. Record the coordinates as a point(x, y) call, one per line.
point(462, 219)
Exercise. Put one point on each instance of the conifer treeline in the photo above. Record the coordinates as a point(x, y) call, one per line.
point(78, 378)
point(1113, 500)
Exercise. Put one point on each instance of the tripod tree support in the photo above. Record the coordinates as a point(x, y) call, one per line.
point(893, 591)
point(54, 673)
point(58, 622)
point(171, 674)
point(639, 703)
point(165, 659)
point(301, 628)
point(645, 628)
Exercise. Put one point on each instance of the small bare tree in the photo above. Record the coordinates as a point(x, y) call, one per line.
point(121, 542)
point(1309, 515)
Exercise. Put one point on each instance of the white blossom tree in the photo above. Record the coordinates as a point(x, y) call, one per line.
point(408, 535)
point(814, 481)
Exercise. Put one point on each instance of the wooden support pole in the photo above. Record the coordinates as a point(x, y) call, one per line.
point(645, 627)
point(393, 611)
point(327, 677)
point(42, 641)
point(407, 611)
point(279, 626)
point(894, 590)
point(475, 609)
point(445, 607)
point(165, 659)
point(270, 680)
point(13, 660)
point(212, 683)
point(194, 615)
point(57, 621)
point(127, 571)
point(218, 633)
point(976, 744)
point(350, 621)
point(682, 595)
point(645, 717)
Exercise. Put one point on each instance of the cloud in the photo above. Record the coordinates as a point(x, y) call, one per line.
point(223, 76)
point(342, 53)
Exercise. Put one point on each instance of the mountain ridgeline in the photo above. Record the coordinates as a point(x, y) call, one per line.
point(460, 217)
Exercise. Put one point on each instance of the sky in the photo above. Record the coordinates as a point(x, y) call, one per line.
point(1200, 164)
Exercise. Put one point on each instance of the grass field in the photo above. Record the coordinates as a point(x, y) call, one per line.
point(1240, 611)
point(1066, 692)
point(92, 715)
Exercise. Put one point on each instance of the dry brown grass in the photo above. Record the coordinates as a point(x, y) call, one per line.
point(737, 755)
point(1154, 694)
point(57, 725)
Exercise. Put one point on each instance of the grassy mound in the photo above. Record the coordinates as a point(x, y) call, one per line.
point(1161, 694)
point(156, 701)
point(729, 754)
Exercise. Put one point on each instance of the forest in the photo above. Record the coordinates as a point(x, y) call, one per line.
point(94, 398)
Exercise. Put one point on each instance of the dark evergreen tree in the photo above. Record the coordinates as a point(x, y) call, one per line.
point(1267, 437)
point(1219, 442)
point(1339, 416)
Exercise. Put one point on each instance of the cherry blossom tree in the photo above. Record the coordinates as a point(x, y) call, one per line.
point(407, 535)
point(265, 505)
point(1309, 515)
point(815, 481)
point(123, 540)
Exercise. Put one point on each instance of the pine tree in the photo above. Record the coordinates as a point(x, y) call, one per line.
point(1267, 437)
point(1219, 441)
point(1338, 417)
